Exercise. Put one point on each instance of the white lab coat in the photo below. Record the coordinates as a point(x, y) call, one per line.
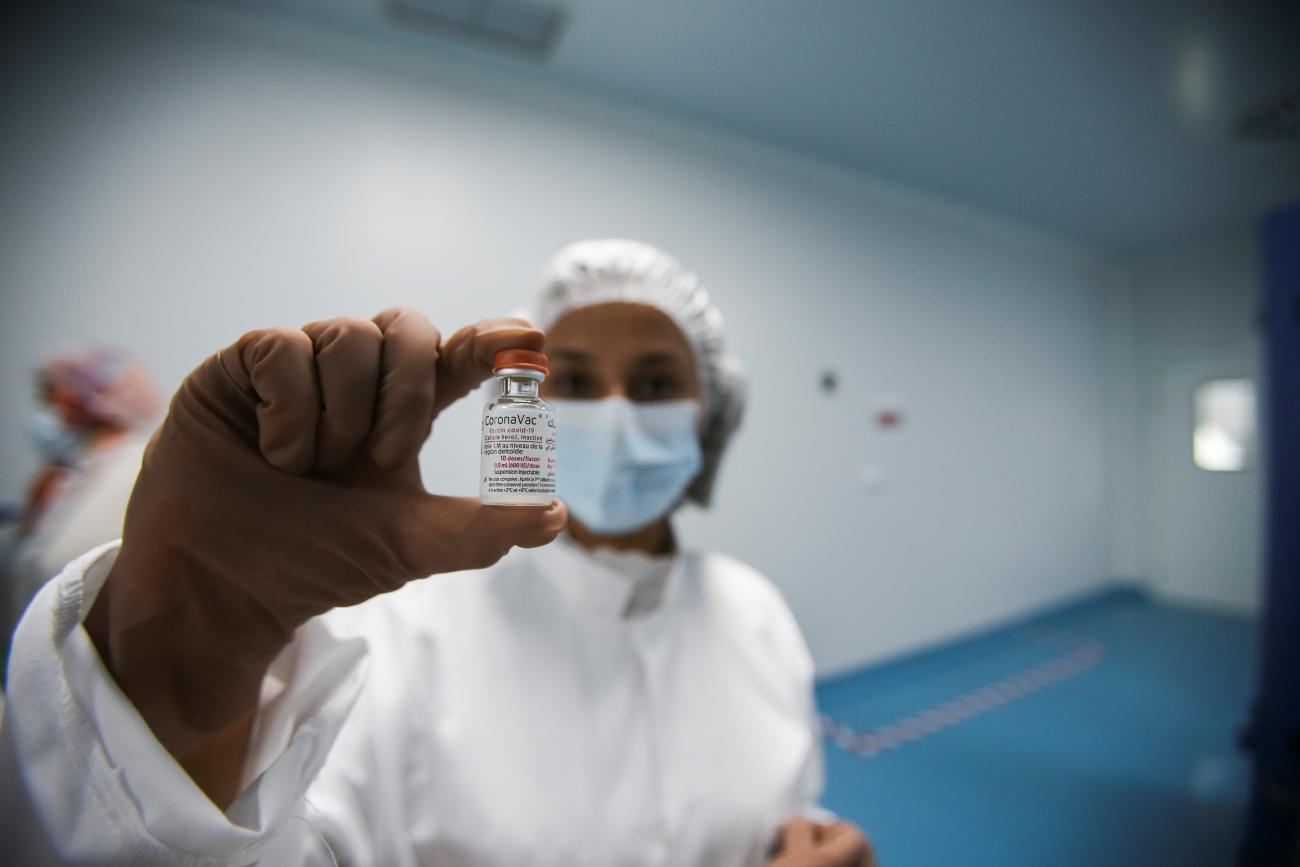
point(516, 716)
point(89, 506)
point(86, 510)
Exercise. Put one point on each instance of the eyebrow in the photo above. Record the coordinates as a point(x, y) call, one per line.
point(570, 354)
point(652, 358)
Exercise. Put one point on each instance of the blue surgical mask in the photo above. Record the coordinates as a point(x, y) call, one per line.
point(621, 465)
point(57, 443)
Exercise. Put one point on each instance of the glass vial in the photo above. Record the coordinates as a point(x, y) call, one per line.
point(518, 451)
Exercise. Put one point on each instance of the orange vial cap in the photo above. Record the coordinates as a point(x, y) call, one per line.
point(527, 358)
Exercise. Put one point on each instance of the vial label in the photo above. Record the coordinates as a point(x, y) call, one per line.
point(518, 455)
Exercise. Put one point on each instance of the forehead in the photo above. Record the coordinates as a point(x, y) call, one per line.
point(617, 329)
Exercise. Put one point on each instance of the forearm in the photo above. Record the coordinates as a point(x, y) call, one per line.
point(191, 656)
point(101, 787)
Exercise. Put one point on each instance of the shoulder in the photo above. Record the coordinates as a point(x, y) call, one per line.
point(726, 579)
point(747, 599)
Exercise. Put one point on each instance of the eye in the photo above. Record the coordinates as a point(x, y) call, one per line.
point(658, 386)
point(573, 384)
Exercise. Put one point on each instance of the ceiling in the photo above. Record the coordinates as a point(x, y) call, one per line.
point(1111, 123)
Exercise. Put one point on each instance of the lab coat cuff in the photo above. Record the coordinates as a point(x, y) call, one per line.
point(100, 779)
point(819, 814)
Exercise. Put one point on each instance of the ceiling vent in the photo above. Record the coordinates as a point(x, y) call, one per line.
point(521, 27)
point(1276, 121)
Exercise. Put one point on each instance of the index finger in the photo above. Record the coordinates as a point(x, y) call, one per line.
point(465, 358)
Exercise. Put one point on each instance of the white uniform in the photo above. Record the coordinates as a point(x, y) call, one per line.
point(558, 709)
point(86, 510)
point(89, 505)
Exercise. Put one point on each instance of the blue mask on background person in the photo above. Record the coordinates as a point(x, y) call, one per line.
point(621, 465)
point(57, 443)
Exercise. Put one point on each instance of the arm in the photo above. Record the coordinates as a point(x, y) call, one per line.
point(85, 781)
point(815, 837)
point(283, 483)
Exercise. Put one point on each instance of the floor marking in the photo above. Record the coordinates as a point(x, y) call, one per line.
point(1084, 653)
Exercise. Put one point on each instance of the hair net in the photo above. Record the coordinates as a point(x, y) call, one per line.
point(96, 388)
point(597, 272)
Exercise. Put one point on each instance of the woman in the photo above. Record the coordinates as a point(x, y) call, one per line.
point(605, 700)
point(96, 407)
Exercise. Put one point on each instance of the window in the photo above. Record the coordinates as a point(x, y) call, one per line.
point(1223, 438)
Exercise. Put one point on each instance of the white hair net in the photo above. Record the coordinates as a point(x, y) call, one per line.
point(597, 272)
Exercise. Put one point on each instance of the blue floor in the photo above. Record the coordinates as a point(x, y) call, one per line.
point(1129, 762)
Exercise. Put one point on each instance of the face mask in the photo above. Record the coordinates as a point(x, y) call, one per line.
point(621, 465)
point(56, 442)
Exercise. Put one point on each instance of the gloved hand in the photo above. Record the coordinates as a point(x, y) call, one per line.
point(804, 843)
point(284, 482)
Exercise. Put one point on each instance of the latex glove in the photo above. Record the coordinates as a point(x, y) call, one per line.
point(804, 843)
point(284, 482)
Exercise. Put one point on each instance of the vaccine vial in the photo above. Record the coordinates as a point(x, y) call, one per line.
point(518, 452)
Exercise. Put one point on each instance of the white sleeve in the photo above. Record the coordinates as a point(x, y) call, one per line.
point(84, 780)
point(813, 774)
point(796, 663)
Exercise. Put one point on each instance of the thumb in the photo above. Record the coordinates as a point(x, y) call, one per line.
point(448, 534)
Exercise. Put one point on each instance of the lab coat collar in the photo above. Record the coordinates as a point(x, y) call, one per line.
point(597, 587)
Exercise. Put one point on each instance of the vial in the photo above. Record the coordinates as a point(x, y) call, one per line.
point(518, 451)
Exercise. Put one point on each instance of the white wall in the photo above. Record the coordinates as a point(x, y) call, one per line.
point(1196, 307)
point(1125, 459)
point(169, 186)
